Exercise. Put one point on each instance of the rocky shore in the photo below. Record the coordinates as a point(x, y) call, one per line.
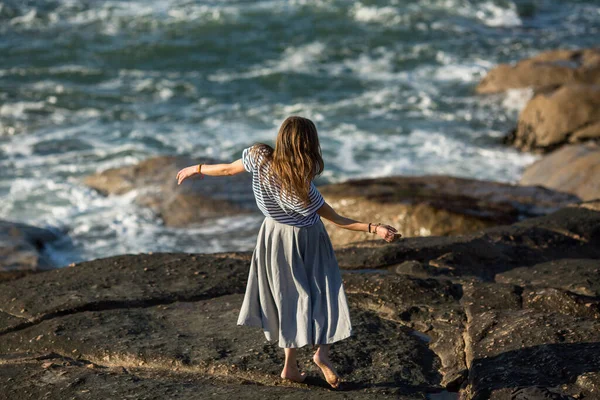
point(506, 309)
point(493, 294)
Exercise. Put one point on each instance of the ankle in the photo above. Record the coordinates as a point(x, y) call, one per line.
point(320, 357)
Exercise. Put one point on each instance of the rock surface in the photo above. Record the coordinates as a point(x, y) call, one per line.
point(547, 69)
point(22, 249)
point(177, 312)
point(195, 200)
point(569, 114)
point(572, 232)
point(572, 169)
point(510, 311)
point(434, 205)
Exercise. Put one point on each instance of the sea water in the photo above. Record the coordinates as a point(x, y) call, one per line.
point(87, 85)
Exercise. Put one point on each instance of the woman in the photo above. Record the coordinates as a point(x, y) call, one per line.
point(294, 291)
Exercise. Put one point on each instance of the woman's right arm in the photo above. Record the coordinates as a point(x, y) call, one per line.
point(386, 232)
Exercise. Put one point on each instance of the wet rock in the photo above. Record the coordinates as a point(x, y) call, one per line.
point(434, 205)
point(22, 249)
point(547, 69)
point(195, 200)
point(569, 114)
point(572, 169)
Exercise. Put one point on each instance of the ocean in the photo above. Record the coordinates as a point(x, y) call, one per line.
point(90, 85)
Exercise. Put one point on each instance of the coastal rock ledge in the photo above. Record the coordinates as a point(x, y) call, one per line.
point(510, 312)
point(435, 205)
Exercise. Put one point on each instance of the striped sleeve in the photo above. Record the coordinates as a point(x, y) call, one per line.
point(247, 160)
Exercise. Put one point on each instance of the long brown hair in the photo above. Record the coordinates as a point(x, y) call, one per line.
point(296, 159)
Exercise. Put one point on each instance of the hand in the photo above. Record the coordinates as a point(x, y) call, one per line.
point(387, 232)
point(186, 173)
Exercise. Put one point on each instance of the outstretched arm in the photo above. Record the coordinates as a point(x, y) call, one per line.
point(233, 168)
point(386, 232)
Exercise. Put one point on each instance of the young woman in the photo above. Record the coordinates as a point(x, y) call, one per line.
point(294, 291)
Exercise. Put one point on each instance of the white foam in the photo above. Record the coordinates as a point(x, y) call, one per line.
point(294, 59)
point(493, 15)
point(516, 99)
point(19, 109)
point(372, 14)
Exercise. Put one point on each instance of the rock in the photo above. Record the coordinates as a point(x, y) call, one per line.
point(572, 232)
point(22, 379)
point(548, 69)
point(195, 200)
point(581, 276)
point(516, 344)
point(505, 312)
point(572, 169)
point(569, 114)
point(22, 249)
point(123, 281)
point(428, 305)
point(590, 205)
point(184, 325)
point(434, 205)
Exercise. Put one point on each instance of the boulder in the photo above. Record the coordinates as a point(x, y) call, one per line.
point(22, 249)
point(572, 169)
point(434, 205)
point(548, 69)
point(570, 114)
point(195, 200)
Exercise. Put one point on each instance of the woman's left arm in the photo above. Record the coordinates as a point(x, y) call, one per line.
point(233, 168)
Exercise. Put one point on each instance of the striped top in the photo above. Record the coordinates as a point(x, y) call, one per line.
point(270, 200)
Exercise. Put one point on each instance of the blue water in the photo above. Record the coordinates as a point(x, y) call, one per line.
point(89, 85)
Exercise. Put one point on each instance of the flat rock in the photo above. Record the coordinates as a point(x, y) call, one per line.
point(572, 169)
point(508, 311)
point(572, 232)
point(547, 69)
point(581, 276)
point(520, 338)
point(569, 114)
point(435, 205)
point(428, 305)
point(22, 249)
point(134, 280)
point(56, 377)
point(194, 201)
point(201, 336)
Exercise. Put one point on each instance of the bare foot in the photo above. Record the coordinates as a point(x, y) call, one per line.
point(330, 375)
point(293, 374)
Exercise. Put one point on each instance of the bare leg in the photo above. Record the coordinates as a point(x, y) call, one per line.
point(321, 358)
point(290, 369)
